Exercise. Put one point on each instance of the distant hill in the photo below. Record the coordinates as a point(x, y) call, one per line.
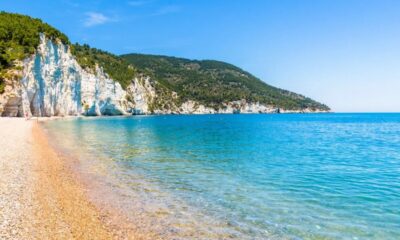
point(213, 82)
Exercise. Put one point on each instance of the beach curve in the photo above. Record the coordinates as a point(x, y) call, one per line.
point(40, 197)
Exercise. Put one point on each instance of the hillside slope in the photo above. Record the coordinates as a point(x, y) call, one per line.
point(212, 82)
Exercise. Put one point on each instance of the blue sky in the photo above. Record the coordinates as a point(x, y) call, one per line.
point(345, 53)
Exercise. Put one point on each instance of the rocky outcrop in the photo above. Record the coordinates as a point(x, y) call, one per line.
point(53, 84)
point(242, 106)
point(141, 93)
point(148, 98)
point(10, 99)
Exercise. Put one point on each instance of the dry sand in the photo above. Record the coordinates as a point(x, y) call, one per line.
point(16, 175)
point(40, 197)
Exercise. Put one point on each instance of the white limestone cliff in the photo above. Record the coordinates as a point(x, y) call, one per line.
point(54, 84)
point(141, 93)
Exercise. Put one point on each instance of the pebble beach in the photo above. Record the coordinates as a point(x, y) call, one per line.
point(40, 197)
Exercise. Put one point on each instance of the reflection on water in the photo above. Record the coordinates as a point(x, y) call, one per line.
point(247, 176)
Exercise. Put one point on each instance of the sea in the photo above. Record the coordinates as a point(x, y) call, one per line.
point(243, 176)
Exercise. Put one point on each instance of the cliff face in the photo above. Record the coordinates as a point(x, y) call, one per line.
point(52, 83)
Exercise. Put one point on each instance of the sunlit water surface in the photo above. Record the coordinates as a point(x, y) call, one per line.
point(312, 176)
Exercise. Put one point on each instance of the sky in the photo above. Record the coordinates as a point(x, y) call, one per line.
point(344, 53)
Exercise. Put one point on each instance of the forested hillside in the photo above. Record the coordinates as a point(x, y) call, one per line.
point(213, 82)
point(117, 68)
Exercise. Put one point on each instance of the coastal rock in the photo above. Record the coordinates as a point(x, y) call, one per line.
point(10, 99)
point(54, 84)
point(141, 93)
point(243, 106)
point(13, 106)
point(193, 107)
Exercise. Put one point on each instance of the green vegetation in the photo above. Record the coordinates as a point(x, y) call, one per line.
point(116, 67)
point(2, 86)
point(20, 36)
point(213, 82)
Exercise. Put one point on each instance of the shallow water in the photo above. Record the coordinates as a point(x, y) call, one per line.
point(299, 176)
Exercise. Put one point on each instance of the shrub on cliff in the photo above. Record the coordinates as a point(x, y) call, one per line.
point(117, 68)
point(2, 86)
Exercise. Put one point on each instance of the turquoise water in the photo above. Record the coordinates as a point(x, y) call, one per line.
point(299, 176)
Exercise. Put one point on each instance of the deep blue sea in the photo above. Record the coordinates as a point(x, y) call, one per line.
point(276, 176)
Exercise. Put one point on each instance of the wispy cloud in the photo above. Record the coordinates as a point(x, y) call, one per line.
point(95, 18)
point(138, 3)
point(167, 10)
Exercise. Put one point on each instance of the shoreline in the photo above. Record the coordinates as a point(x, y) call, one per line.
point(68, 201)
point(43, 119)
point(55, 199)
point(40, 195)
point(145, 218)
